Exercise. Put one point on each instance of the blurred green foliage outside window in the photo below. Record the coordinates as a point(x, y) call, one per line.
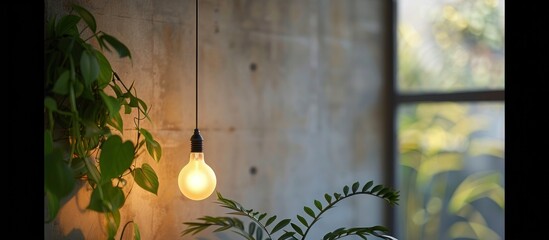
point(450, 154)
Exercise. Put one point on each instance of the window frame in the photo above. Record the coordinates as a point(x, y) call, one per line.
point(394, 99)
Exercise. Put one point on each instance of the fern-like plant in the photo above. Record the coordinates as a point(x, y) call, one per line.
point(262, 226)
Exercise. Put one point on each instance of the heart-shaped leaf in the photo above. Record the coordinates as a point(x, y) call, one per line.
point(146, 178)
point(106, 198)
point(116, 157)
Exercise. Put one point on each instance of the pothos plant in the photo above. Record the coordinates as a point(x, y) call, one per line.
point(83, 126)
point(262, 226)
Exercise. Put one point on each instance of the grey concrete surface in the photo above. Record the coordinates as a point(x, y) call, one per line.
point(292, 88)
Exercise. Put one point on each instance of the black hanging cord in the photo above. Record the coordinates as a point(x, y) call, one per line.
point(196, 65)
point(196, 139)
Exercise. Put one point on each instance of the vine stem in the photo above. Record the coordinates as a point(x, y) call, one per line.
point(124, 229)
point(138, 126)
point(74, 110)
point(116, 77)
point(93, 35)
point(51, 120)
point(330, 205)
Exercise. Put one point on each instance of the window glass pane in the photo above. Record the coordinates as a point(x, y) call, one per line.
point(451, 171)
point(450, 45)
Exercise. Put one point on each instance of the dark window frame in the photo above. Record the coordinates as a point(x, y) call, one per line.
point(394, 99)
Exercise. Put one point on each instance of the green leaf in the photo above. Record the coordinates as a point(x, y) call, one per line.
point(136, 234)
point(338, 231)
point(50, 26)
point(116, 157)
point(146, 178)
point(106, 198)
point(50, 104)
point(309, 211)
point(286, 235)
point(270, 220)
point(62, 85)
point(127, 109)
point(388, 194)
point(251, 228)
point(113, 222)
point(53, 205)
point(376, 188)
point(246, 236)
point(67, 24)
point(105, 70)
point(337, 196)
point(116, 122)
point(362, 236)
point(58, 177)
point(86, 16)
point(379, 228)
point(79, 89)
point(141, 143)
point(114, 107)
point(237, 223)
point(48, 142)
point(318, 205)
point(297, 229)
point(117, 90)
point(302, 220)
point(89, 68)
point(145, 133)
point(355, 186)
point(153, 147)
point(78, 166)
point(345, 190)
point(280, 225)
point(367, 186)
point(383, 191)
point(143, 104)
point(112, 104)
point(91, 130)
point(93, 173)
point(133, 102)
point(222, 228)
point(67, 49)
point(122, 50)
point(261, 216)
point(259, 234)
point(328, 198)
point(481, 185)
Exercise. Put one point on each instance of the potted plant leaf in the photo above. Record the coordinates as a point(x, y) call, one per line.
point(83, 126)
point(263, 226)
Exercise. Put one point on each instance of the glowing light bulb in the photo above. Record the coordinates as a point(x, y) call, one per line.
point(197, 180)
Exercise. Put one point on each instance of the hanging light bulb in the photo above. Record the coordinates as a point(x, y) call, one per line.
point(196, 180)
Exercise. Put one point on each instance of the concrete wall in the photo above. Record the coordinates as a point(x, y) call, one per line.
point(294, 89)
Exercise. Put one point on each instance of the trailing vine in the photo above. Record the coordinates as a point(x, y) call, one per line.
point(83, 126)
point(259, 224)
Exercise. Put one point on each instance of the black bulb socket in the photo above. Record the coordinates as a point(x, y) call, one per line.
point(197, 141)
